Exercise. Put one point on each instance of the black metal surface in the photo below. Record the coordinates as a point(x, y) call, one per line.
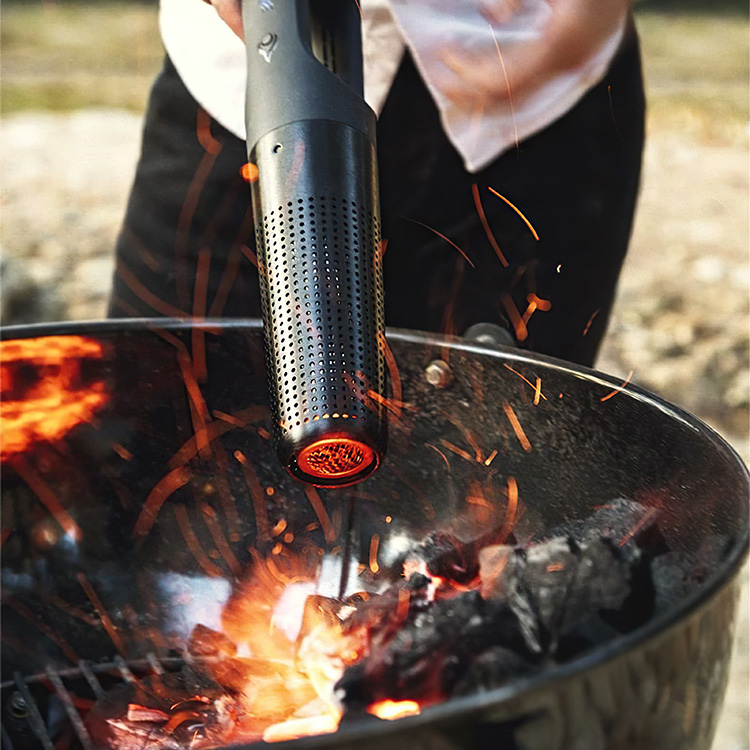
point(319, 261)
point(138, 587)
point(304, 63)
point(317, 221)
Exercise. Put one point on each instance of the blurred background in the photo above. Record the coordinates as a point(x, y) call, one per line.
point(75, 80)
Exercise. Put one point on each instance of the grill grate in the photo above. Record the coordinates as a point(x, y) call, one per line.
point(33, 715)
point(26, 699)
point(71, 711)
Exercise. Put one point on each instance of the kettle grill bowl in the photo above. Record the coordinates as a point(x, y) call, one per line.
point(660, 686)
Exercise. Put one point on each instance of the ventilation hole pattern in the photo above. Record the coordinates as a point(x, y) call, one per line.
point(320, 265)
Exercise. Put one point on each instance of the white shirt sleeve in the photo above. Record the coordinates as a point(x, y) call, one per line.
point(210, 58)
point(432, 26)
point(211, 62)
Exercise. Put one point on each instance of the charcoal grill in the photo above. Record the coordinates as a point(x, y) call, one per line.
point(114, 599)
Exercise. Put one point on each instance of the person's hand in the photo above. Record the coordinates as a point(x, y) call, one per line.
point(230, 11)
point(574, 31)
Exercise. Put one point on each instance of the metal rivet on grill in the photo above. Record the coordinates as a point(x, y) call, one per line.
point(17, 706)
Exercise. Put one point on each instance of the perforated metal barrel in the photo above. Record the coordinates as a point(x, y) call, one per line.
point(319, 261)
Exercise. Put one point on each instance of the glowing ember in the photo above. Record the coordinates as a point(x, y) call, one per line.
point(391, 710)
point(44, 391)
point(289, 661)
point(294, 646)
point(249, 172)
point(296, 728)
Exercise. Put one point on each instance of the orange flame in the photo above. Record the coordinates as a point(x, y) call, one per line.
point(297, 649)
point(43, 393)
point(390, 710)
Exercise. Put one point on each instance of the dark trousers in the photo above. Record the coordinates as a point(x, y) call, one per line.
point(187, 244)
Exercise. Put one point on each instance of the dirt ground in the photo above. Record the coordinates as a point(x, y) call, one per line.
point(682, 317)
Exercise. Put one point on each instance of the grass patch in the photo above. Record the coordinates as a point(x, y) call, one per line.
point(65, 56)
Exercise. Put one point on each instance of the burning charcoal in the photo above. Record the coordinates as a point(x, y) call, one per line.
point(235, 675)
point(387, 612)
point(110, 725)
point(144, 713)
point(423, 659)
point(158, 712)
point(323, 610)
point(206, 642)
point(442, 555)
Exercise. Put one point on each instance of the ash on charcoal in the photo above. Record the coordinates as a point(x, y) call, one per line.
point(427, 655)
point(537, 605)
point(675, 574)
point(672, 579)
point(621, 520)
point(556, 584)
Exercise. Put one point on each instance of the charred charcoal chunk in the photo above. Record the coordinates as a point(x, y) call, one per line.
point(638, 606)
point(676, 574)
point(167, 712)
point(385, 613)
point(672, 580)
point(110, 728)
point(556, 584)
point(444, 556)
point(493, 668)
point(619, 520)
point(196, 681)
point(206, 642)
point(584, 636)
point(418, 582)
point(425, 657)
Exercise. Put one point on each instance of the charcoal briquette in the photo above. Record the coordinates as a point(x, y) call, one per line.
point(493, 668)
point(444, 556)
point(620, 520)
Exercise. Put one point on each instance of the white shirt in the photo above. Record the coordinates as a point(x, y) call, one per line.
point(211, 62)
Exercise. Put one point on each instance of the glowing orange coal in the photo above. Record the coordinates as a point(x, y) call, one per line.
point(43, 391)
point(391, 710)
point(292, 649)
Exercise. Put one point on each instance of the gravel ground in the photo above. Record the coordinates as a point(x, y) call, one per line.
point(681, 318)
